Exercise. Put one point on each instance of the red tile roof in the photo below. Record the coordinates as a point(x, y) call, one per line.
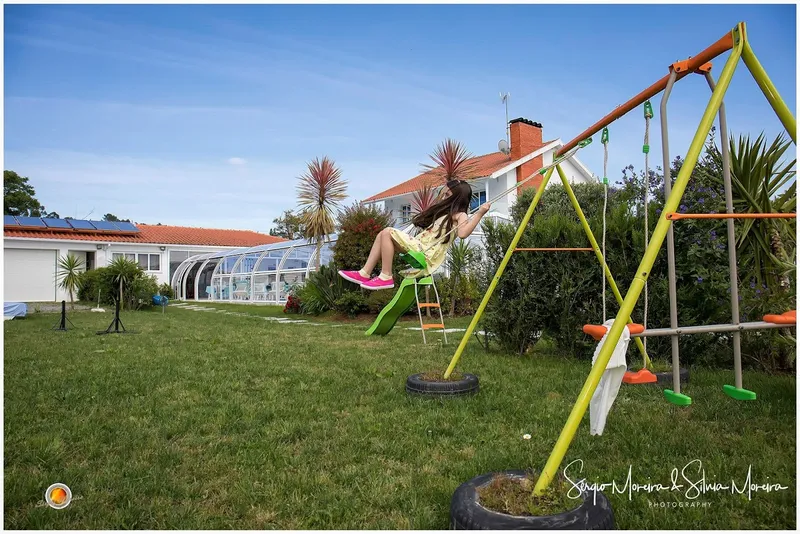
point(149, 233)
point(484, 166)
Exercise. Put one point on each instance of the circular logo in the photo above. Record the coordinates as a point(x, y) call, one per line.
point(58, 496)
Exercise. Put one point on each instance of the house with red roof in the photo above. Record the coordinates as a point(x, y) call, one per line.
point(495, 173)
point(33, 246)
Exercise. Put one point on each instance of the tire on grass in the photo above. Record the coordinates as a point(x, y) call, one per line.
point(466, 513)
point(468, 385)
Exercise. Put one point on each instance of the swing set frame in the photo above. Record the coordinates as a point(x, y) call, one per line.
point(736, 42)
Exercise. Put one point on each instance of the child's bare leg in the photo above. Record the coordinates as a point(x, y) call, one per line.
point(374, 254)
point(387, 254)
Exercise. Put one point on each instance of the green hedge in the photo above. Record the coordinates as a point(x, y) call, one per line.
point(554, 294)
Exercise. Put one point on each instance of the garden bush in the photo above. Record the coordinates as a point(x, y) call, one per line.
point(137, 294)
point(358, 225)
point(321, 290)
point(351, 303)
point(554, 294)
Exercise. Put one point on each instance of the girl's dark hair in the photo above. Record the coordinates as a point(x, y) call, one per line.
point(457, 202)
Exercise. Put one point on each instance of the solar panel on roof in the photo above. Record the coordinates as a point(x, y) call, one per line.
point(103, 225)
point(56, 223)
point(9, 220)
point(126, 226)
point(31, 221)
point(80, 224)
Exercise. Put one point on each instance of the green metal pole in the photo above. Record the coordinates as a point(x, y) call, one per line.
point(598, 253)
point(775, 100)
point(499, 273)
point(659, 234)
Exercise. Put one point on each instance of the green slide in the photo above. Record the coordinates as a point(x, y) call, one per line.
point(400, 304)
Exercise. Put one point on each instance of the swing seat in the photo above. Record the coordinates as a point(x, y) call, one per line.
point(789, 317)
point(414, 259)
point(597, 331)
point(642, 376)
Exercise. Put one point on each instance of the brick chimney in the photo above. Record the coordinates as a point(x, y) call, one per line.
point(526, 137)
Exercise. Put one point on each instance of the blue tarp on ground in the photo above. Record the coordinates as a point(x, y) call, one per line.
point(15, 309)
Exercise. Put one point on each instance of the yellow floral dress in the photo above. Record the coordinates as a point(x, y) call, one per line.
point(434, 249)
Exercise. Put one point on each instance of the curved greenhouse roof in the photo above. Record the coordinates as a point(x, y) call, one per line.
point(264, 273)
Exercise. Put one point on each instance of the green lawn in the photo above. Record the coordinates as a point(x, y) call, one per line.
point(204, 420)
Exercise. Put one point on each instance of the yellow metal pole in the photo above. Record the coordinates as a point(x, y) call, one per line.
point(598, 253)
point(775, 100)
point(499, 273)
point(660, 232)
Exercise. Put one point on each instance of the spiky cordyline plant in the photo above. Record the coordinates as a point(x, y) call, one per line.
point(423, 199)
point(758, 174)
point(69, 275)
point(320, 192)
point(452, 162)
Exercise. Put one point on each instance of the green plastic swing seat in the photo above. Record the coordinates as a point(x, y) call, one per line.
point(414, 259)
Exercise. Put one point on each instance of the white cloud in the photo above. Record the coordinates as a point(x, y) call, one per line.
point(237, 161)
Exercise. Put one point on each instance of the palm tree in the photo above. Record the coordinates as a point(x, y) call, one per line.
point(452, 162)
point(69, 275)
point(123, 271)
point(758, 174)
point(320, 192)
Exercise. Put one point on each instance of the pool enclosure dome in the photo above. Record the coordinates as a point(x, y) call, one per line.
point(264, 273)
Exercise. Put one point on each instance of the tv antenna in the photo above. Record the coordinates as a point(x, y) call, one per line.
point(504, 145)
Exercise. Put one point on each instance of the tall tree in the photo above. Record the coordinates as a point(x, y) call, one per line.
point(320, 191)
point(19, 197)
point(110, 217)
point(289, 226)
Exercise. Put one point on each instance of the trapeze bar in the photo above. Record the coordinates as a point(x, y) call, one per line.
point(677, 216)
point(711, 328)
point(553, 249)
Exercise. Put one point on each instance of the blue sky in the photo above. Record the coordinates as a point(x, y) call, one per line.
point(205, 115)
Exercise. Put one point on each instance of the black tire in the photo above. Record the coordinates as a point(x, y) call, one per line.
point(466, 513)
point(468, 385)
point(665, 378)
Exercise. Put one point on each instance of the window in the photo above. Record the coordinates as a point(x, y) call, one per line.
point(405, 213)
point(148, 262)
point(477, 199)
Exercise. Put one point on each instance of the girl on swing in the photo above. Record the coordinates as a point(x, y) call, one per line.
point(436, 222)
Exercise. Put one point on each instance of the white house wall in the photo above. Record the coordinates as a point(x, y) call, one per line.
point(103, 254)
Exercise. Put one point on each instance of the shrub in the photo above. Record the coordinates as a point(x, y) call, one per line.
point(321, 290)
point(377, 300)
point(137, 292)
point(165, 290)
point(554, 294)
point(94, 281)
point(359, 225)
point(352, 303)
point(141, 291)
point(292, 305)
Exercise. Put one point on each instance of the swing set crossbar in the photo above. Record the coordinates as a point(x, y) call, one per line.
point(711, 329)
point(557, 249)
point(674, 216)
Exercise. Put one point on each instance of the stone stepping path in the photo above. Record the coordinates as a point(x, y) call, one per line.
point(286, 320)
